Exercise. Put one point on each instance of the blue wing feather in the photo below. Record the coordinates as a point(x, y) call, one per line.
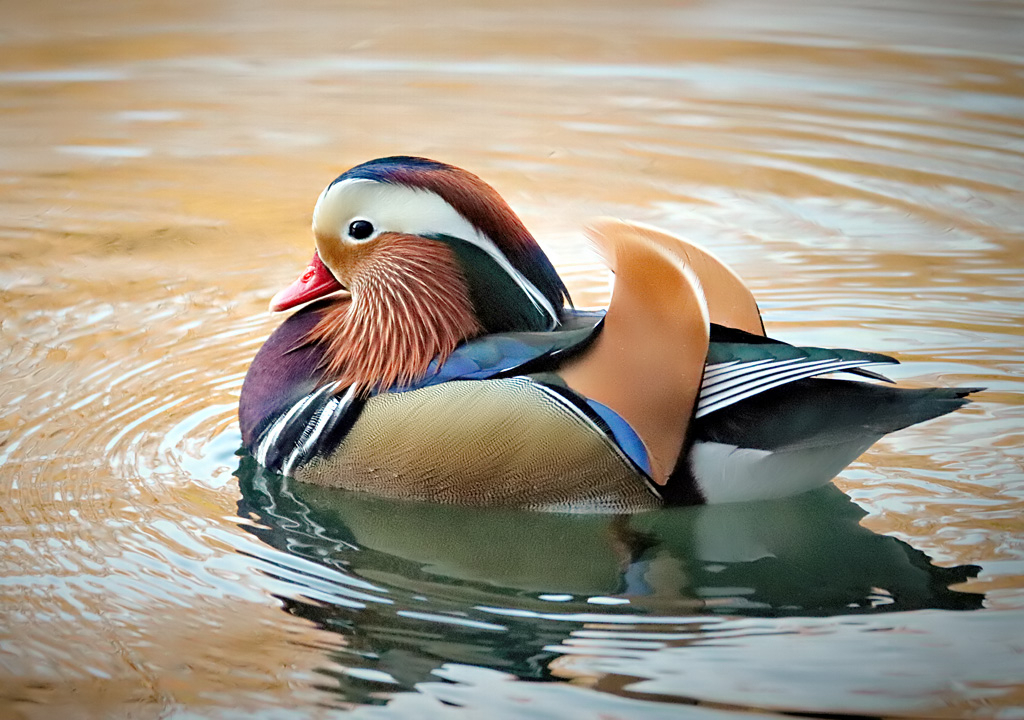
point(502, 353)
point(624, 435)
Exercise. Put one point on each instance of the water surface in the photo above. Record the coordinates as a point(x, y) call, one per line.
point(861, 166)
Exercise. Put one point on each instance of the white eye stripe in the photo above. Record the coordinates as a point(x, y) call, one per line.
point(414, 211)
point(394, 208)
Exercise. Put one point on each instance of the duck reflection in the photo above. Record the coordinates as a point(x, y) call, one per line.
point(411, 586)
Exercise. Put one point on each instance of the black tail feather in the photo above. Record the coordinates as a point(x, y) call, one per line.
point(820, 411)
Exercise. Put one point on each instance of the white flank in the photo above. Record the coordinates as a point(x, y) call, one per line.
point(726, 473)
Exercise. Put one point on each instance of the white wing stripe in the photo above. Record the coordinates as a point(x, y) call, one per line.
point(762, 380)
point(723, 398)
point(750, 371)
point(711, 371)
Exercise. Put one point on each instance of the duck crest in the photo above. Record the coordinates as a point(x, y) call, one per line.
point(479, 204)
point(409, 305)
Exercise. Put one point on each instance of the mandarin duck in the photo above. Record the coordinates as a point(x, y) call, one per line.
point(437, 356)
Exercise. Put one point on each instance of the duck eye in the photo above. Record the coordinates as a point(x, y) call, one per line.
point(360, 229)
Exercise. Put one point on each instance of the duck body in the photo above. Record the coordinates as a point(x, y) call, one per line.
point(454, 371)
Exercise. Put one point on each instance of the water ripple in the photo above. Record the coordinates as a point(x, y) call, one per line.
point(860, 167)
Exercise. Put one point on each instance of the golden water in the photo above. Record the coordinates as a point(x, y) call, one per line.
point(862, 166)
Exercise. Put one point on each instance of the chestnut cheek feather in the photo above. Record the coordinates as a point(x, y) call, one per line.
point(410, 304)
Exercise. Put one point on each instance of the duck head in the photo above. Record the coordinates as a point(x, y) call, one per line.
point(430, 256)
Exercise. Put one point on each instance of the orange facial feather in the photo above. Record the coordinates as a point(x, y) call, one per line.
point(409, 304)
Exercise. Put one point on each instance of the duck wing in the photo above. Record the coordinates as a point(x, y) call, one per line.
point(502, 354)
point(729, 301)
point(646, 364)
point(741, 361)
point(736, 371)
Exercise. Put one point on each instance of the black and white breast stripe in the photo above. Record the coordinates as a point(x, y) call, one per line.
point(729, 382)
point(320, 419)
